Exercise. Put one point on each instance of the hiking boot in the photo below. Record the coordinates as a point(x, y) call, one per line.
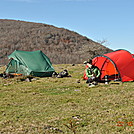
point(95, 83)
point(87, 81)
point(91, 85)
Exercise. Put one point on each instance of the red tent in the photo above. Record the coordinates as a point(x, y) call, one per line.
point(117, 65)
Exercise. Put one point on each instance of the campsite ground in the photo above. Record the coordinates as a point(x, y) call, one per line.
point(65, 105)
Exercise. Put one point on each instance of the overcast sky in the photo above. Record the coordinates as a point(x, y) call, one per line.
point(109, 20)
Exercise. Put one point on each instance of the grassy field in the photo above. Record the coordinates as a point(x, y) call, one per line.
point(65, 105)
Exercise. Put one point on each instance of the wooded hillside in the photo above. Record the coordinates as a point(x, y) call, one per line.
point(60, 45)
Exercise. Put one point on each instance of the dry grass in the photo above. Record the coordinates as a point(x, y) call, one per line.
point(49, 105)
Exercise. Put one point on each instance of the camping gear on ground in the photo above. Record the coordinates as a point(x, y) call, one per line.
point(6, 75)
point(117, 65)
point(62, 74)
point(34, 63)
point(54, 74)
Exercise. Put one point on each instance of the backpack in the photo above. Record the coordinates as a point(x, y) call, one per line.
point(62, 74)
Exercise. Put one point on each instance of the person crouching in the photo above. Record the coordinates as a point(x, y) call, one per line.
point(93, 74)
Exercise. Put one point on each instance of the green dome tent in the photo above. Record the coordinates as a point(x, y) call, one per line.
point(34, 63)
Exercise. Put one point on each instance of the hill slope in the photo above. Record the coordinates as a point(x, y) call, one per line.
point(60, 45)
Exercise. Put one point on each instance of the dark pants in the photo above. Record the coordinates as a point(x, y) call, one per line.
point(92, 80)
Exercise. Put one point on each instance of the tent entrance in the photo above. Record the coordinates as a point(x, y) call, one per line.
point(107, 68)
point(12, 66)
